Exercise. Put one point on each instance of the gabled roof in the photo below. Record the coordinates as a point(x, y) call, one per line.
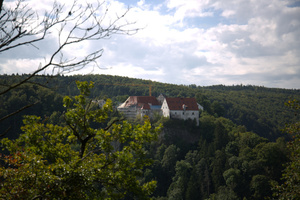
point(180, 103)
point(140, 101)
point(145, 106)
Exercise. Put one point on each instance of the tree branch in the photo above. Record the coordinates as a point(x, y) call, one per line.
point(21, 26)
point(4, 133)
point(1, 3)
point(16, 112)
point(82, 24)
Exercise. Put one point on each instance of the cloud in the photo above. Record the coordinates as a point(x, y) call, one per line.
point(196, 42)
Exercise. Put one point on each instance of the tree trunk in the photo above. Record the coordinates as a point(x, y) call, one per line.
point(1, 3)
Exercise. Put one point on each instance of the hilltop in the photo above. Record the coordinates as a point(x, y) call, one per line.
point(258, 108)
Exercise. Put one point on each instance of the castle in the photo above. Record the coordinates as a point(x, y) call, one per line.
point(174, 108)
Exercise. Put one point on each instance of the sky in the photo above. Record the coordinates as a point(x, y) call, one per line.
point(201, 42)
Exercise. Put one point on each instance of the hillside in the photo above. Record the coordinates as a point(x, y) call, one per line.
point(236, 151)
point(259, 109)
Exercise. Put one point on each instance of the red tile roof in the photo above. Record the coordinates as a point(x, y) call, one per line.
point(146, 107)
point(178, 103)
point(141, 101)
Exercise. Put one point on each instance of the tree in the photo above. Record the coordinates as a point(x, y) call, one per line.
point(178, 187)
point(218, 166)
point(169, 159)
point(193, 188)
point(232, 178)
point(77, 161)
point(224, 193)
point(70, 25)
point(260, 185)
point(290, 189)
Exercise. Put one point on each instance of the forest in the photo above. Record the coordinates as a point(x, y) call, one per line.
point(242, 148)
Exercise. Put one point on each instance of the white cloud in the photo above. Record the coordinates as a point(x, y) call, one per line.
point(248, 42)
point(189, 9)
point(13, 66)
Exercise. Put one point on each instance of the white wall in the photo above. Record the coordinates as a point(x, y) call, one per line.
point(179, 114)
point(165, 109)
point(188, 114)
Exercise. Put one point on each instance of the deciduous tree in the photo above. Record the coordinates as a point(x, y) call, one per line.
point(80, 160)
point(290, 189)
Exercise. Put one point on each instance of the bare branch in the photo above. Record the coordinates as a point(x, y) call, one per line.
point(4, 133)
point(22, 26)
point(16, 112)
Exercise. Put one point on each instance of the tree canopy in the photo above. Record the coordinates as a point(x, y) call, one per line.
point(290, 189)
point(222, 158)
point(78, 160)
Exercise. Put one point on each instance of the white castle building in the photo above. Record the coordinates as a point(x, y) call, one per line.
point(174, 108)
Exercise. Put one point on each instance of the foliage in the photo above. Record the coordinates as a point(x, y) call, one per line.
point(44, 101)
point(225, 162)
point(260, 110)
point(290, 189)
point(235, 150)
point(77, 161)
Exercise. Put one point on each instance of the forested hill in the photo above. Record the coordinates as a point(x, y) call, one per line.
point(259, 109)
point(236, 152)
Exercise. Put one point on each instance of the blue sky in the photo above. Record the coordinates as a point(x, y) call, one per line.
point(206, 42)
